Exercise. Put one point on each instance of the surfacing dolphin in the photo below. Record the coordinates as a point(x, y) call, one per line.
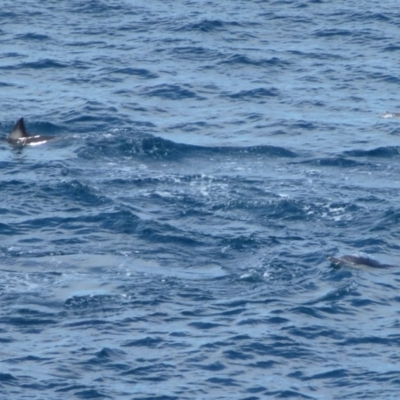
point(19, 136)
point(389, 114)
point(357, 261)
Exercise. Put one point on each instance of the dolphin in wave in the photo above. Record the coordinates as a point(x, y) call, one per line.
point(357, 261)
point(19, 136)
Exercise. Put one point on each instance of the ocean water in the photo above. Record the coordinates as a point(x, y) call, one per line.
point(172, 241)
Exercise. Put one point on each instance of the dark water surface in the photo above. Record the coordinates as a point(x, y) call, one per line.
point(172, 241)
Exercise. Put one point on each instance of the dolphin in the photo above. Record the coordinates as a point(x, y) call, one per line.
point(19, 136)
point(389, 114)
point(357, 261)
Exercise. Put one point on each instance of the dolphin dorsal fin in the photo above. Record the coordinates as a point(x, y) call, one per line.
point(19, 131)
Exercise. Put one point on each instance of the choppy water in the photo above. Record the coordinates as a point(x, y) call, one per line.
point(172, 242)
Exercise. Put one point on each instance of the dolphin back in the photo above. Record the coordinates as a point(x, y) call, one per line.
point(18, 132)
point(19, 136)
point(359, 261)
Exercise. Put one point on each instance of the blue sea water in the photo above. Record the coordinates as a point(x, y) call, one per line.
point(172, 241)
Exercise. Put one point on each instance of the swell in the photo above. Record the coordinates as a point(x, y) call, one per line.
point(154, 147)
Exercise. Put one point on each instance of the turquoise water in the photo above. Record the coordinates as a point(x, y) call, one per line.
point(172, 241)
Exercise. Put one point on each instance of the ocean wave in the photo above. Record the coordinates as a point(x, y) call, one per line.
point(159, 148)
